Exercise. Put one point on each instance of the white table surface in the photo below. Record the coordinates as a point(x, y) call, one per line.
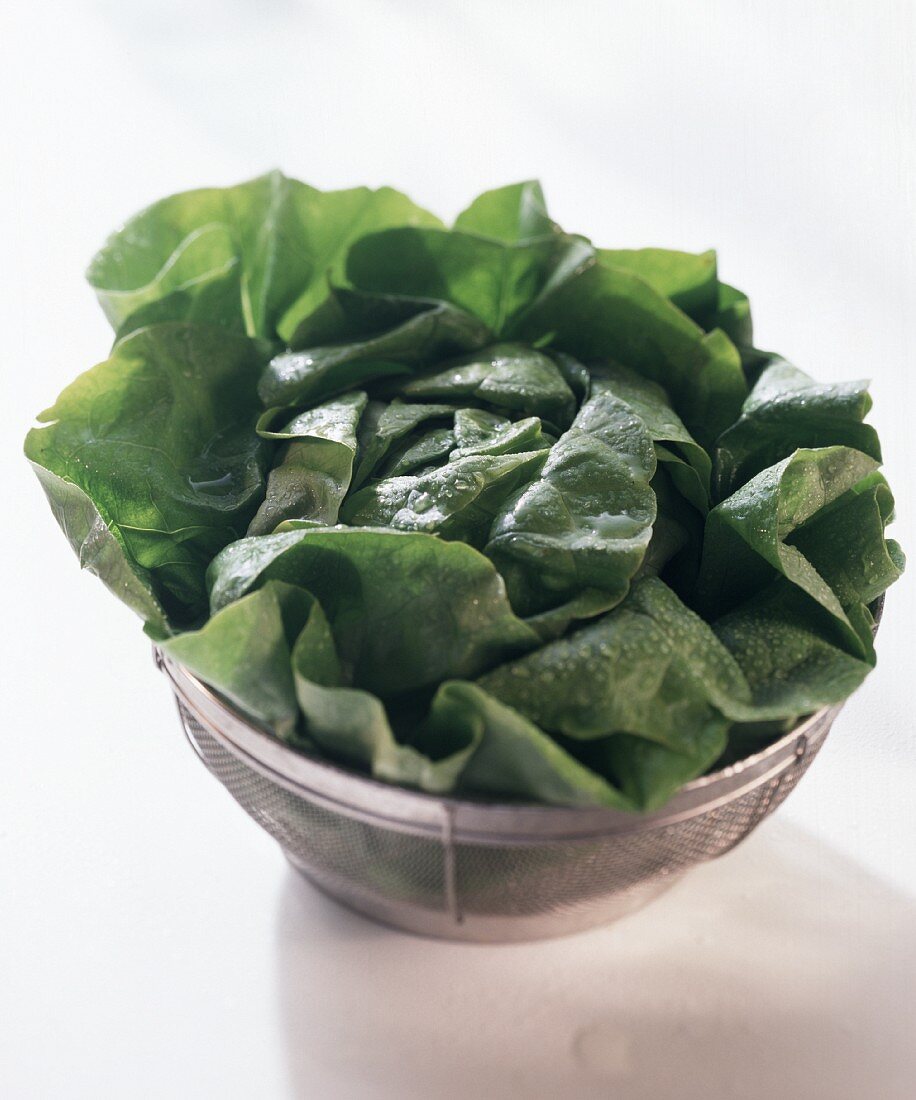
point(153, 943)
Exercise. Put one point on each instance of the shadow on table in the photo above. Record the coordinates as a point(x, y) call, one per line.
point(783, 969)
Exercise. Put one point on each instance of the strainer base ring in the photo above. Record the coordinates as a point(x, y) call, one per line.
point(473, 928)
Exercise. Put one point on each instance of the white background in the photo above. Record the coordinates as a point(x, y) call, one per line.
point(153, 943)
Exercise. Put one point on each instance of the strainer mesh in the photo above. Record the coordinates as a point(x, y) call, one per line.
point(378, 865)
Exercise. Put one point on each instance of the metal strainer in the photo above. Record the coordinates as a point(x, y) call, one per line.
point(466, 870)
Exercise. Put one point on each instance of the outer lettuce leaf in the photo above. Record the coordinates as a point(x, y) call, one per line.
point(509, 214)
point(469, 742)
point(160, 439)
point(257, 255)
point(597, 311)
point(633, 694)
point(650, 668)
point(511, 757)
point(352, 726)
point(244, 652)
point(407, 609)
point(846, 543)
point(488, 278)
point(647, 773)
point(784, 649)
point(312, 474)
point(687, 279)
point(101, 548)
point(749, 537)
point(786, 410)
point(733, 316)
point(586, 521)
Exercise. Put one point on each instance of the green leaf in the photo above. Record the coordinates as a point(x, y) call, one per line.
point(480, 433)
point(649, 668)
point(457, 501)
point(101, 549)
point(586, 604)
point(600, 312)
point(385, 425)
point(748, 536)
point(786, 410)
point(845, 542)
point(733, 316)
point(509, 214)
point(159, 438)
point(492, 280)
point(300, 377)
point(689, 466)
point(511, 757)
point(514, 380)
point(629, 671)
point(352, 726)
point(647, 773)
point(782, 645)
point(677, 535)
point(421, 453)
point(586, 521)
point(687, 279)
point(244, 652)
point(407, 609)
point(257, 254)
point(312, 474)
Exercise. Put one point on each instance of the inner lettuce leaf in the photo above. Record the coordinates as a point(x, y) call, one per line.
point(459, 500)
point(296, 377)
point(688, 465)
point(509, 378)
point(485, 511)
point(586, 519)
point(312, 474)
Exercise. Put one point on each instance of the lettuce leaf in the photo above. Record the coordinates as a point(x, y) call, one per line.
point(160, 439)
point(257, 255)
point(407, 609)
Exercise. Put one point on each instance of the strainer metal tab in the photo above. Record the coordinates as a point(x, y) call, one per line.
point(466, 870)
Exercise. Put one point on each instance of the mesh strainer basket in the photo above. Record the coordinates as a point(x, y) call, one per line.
point(460, 869)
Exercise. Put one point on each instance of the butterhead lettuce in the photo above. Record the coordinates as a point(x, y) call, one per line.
point(483, 509)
